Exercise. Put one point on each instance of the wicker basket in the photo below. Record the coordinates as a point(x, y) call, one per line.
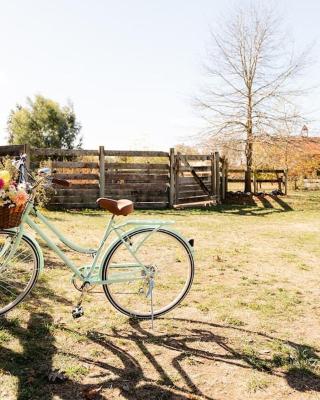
point(10, 217)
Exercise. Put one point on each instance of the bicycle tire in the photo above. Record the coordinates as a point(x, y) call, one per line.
point(173, 303)
point(25, 245)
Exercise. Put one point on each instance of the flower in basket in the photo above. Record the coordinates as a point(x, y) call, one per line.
point(11, 194)
point(21, 198)
point(5, 179)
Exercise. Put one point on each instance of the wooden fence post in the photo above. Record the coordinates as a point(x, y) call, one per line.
point(176, 178)
point(102, 172)
point(27, 151)
point(226, 177)
point(217, 170)
point(285, 181)
point(279, 180)
point(213, 176)
point(172, 179)
point(255, 189)
point(223, 179)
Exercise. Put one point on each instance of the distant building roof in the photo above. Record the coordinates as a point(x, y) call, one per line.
point(308, 145)
point(303, 144)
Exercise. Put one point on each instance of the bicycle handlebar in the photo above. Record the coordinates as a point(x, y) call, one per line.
point(43, 173)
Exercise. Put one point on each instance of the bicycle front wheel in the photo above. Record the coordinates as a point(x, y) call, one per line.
point(18, 273)
point(163, 251)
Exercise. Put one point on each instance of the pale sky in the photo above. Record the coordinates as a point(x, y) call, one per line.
point(130, 67)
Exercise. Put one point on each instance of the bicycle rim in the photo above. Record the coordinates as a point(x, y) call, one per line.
point(19, 274)
point(172, 261)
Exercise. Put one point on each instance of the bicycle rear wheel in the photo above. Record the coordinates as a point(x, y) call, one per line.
point(170, 258)
point(19, 274)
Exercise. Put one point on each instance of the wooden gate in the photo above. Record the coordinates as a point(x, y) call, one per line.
point(198, 179)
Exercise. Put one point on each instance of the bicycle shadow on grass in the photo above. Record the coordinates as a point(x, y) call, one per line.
point(133, 383)
point(33, 365)
point(28, 349)
point(298, 367)
point(34, 362)
point(127, 372)
point(298, 373)
point(130, 379)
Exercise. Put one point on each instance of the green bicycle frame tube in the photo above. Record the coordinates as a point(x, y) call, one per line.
point(88, 273)
point(63, 239)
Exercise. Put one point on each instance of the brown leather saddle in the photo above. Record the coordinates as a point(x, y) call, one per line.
point(116, 207)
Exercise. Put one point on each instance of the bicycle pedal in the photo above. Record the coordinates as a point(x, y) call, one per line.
point(77, 312)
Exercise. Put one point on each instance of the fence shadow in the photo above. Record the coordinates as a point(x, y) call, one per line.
point(251, 206)
point(285, 206)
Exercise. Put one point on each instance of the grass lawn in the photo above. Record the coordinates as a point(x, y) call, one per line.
point(249, 328)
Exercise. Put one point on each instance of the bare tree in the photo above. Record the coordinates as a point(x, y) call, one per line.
point(251, 80)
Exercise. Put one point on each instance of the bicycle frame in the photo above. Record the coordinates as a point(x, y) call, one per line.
point(92, 273)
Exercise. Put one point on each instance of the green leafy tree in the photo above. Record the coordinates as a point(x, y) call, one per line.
point(44, 123)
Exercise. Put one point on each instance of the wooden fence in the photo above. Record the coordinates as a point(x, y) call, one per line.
point(151, 179)
point(311, 184)
point(259, 177)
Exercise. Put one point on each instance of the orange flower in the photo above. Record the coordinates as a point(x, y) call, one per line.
point(20, 198)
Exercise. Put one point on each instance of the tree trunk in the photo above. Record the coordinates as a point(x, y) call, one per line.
point(247, 177)
point(247, 182)
point(249, 142)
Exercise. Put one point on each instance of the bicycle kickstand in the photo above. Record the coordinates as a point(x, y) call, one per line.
point(150, 293)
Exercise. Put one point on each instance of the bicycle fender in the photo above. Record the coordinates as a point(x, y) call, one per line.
point(31, 239)
point(188, 242)
point(136, 229)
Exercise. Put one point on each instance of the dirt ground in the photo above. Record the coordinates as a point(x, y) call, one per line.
point(249, 328)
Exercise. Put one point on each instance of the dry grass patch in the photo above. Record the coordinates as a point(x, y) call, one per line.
point(249, 329)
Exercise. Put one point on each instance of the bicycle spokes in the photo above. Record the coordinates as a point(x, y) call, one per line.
point(19, 269)
point(168, 267)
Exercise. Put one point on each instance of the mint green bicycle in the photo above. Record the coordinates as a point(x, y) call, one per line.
point(145, 272)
